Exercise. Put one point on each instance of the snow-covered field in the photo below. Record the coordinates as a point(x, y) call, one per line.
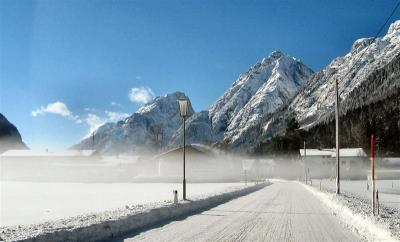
point(389, 190)
point(34, 202)
point(108, 223)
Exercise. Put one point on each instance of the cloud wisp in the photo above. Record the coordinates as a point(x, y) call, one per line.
point(57, 108)
point(141, 95)
point(94, 121)
point(115, 104)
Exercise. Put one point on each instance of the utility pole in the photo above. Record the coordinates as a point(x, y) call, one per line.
point(337, 138)
point(305, 162)
point(93, 140)
point(184, 159)
point(373, 173)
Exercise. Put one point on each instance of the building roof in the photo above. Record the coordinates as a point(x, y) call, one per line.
point(195, 148)
point(351, 152)
point(39, 153)
point(345, 152)
point(317, 152)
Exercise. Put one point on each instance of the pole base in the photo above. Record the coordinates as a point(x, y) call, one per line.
point(184, 189)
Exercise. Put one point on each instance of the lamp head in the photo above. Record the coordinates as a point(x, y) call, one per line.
point(183, 107)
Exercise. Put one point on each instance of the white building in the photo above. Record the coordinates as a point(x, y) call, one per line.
point(354, 162)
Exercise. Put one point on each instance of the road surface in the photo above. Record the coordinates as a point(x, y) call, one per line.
point(283, 211)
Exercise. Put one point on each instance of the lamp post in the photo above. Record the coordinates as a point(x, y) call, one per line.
point(183, 107)
point(337, 107)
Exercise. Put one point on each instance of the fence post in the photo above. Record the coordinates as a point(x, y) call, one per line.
point(377, 201)
point(373, 173)
point(175, 196)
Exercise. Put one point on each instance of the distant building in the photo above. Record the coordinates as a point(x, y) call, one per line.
point(201, 164)
point(49, 156)
point(354, 162)
point(47, 165)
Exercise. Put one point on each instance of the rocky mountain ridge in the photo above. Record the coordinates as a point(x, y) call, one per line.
point(10, 138)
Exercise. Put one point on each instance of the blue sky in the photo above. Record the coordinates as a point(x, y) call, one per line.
point(68, 65)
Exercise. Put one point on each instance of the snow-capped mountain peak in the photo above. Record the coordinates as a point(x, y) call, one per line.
point(265, 87)
point(394, 28)
point(278, 77)
point(361, 44)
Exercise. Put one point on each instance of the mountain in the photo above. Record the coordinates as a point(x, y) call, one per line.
point(236, 116)
point(151, 127)
point(368, 74)
point(259, 104)
point(10, 138)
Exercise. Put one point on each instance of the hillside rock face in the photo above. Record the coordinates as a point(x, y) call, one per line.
point(151, 127)
point(10, 138)
point(236, 116)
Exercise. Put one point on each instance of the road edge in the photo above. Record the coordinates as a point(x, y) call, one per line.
point(360, 223)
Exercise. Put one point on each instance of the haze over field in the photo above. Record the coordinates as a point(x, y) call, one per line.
point(187, 121)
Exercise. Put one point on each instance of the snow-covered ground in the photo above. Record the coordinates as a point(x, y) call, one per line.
point(389, 190)
point(100, 226)
point(35, 202)
point(353, 206)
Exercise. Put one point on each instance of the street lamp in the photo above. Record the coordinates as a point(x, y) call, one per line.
point(184, 110)
point(337, 107)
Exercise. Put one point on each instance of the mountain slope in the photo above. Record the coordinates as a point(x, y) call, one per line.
point(317, 99)
point(371, 108)
point(10, 138)
point(315, 102)
point(151, 127)
point(287, 76)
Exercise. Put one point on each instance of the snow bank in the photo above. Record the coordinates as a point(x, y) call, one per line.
point(109, 224)
point(355, 213)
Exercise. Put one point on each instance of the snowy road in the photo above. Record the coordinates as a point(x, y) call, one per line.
point(284, 211)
